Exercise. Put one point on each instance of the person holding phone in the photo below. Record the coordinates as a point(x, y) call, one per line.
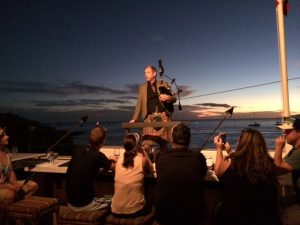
point(249, 177)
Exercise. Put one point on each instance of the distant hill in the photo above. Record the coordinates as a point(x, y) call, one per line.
point(33, 136)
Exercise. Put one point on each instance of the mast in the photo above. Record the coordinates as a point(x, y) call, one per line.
point(282, 57)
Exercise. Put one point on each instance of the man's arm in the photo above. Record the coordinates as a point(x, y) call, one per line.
point(147, 164)
point(279, 162)
point(138, 107)
point(221, 164)
point(170, 98)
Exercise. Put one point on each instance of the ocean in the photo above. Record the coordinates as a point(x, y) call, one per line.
point(200, 129)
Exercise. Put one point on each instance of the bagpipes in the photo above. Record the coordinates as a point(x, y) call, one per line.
point(168, 89)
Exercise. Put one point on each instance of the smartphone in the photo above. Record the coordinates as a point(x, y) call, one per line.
point(223, 137)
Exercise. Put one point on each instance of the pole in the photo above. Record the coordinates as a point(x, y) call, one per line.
point(82, 120)
point(228, 114)
point(282, 57)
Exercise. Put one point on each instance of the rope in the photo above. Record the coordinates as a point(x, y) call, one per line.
point(236, 89)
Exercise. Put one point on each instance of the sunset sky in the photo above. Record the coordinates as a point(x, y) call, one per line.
point(60, 60)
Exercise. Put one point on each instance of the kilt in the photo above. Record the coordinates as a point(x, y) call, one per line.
point(156, 136)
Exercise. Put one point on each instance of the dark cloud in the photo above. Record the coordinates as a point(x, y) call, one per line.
point(213, 105)
point(81, 88)
point(185, 90)
point(133, 88)
point(126, 108)
point(29, 87)
point(64, 89)
point(78, 102)
point(191, 107)
point(128, 97)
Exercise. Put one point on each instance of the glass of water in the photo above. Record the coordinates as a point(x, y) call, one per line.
point(52, 156)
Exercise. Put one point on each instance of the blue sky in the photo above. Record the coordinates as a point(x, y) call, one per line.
point(60, 60)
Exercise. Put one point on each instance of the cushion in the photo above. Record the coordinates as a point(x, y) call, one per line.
point(32, 205)
point(142, 220)
point(66, 214)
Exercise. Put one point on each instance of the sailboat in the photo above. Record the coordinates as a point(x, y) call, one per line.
point(254, 124)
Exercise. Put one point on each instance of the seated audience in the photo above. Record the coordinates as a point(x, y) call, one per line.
point(11, 189)
point(290, 167)
point(250, 182)
point(85, 163)
point(180, 176)
point(129, 197)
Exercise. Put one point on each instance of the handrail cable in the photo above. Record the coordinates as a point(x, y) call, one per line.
point(236, 89)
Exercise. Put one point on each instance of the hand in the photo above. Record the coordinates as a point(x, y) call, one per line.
point(218, 142)
point(280, 142)
point(227, 148)
point(132, 121)
point(113, 158)
point(15, 187)
point(164, 98)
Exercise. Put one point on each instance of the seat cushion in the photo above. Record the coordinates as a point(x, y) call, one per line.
point(141, 220)
point(32, 205)
point(66, 214)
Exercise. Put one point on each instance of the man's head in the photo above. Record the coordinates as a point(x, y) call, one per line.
point(150, 73)
point(290, 123)
point(291, 129)
point(181, 135)
point(3, 137)
point(97, 137)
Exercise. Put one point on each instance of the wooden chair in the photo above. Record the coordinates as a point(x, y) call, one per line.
point(33, 209)
point(68, 217)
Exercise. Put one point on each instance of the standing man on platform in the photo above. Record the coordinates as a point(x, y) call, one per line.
point(154, 107)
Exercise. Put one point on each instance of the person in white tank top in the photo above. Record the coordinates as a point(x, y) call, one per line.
point(131, 168)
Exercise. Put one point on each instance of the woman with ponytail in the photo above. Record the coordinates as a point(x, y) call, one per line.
point(129, 196)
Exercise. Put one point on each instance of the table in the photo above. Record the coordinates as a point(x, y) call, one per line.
point(20, 156)
point(56, 167)
point(47, 167)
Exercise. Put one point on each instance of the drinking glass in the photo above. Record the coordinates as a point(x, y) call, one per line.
point(51, 156)
point(55, 156)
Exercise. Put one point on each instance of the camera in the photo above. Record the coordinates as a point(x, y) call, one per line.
point(223, 137)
